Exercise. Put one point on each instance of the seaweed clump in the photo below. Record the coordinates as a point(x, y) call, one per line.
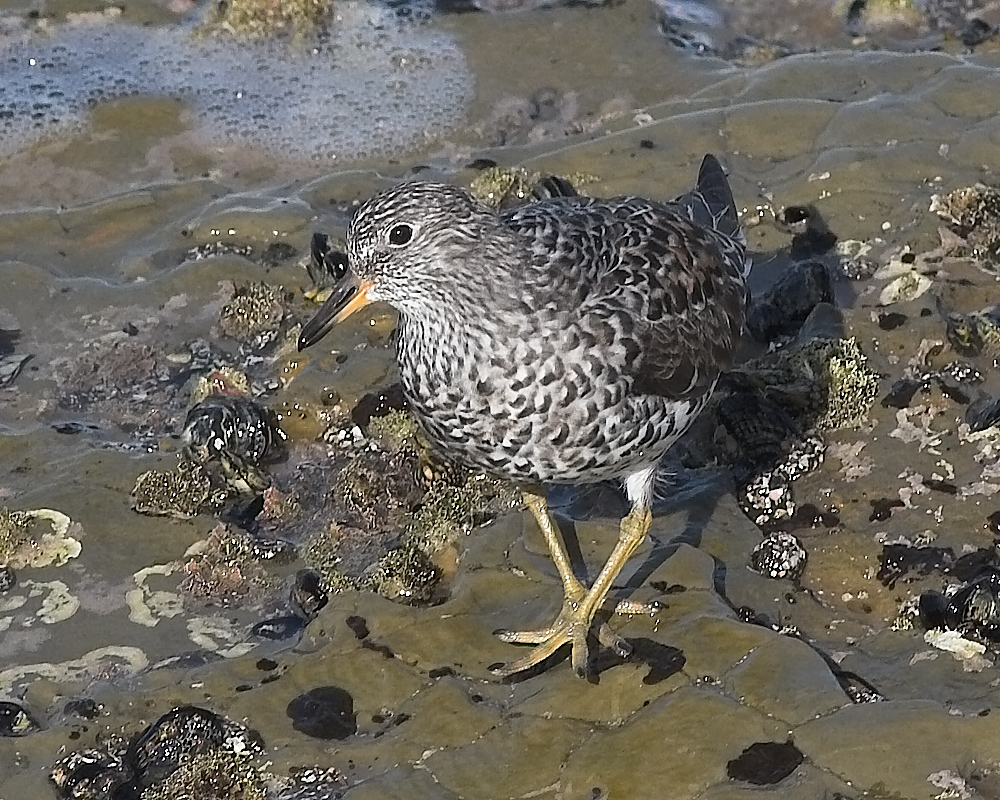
point(215, 775)
point(182, 492)
point(228, 568)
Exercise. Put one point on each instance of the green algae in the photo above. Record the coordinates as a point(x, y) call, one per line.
point(265, 19)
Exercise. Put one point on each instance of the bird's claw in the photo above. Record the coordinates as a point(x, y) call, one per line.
point(571, 627)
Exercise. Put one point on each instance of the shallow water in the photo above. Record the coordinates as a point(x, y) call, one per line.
point(93, 232)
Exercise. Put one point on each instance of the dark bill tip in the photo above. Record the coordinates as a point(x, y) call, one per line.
point(342, 301)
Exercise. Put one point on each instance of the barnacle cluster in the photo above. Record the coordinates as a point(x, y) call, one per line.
point(215, 775)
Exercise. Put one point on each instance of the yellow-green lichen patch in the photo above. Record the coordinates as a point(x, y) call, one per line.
point(254, 308)
point(449, 512)
point(261, 19)
point(23, 545)
point(181, 492)
point(340, 554)
point(394, 430)
point(216, 775)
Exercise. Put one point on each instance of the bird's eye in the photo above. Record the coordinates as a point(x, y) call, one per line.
point(400, 234)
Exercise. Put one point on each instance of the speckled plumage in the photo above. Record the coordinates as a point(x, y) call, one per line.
point(570, 340)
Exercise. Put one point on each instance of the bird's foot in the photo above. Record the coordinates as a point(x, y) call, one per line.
point(571, 627)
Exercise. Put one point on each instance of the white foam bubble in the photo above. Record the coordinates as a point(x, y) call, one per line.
point(376, 84)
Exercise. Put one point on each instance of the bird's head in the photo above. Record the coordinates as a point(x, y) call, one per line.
point(407, 246)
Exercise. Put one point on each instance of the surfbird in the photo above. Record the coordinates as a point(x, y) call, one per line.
point(571, 340)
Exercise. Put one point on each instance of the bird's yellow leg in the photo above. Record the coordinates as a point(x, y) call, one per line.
point(575, 618)
point(539, 508)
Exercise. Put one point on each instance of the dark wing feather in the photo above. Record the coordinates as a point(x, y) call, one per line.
point(667, 280)
point(694, 311)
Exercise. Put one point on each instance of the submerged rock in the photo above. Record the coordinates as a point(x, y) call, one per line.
point(188, 752)
point(180, 735)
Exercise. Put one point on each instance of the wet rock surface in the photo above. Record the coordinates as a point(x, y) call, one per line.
point(303, 567)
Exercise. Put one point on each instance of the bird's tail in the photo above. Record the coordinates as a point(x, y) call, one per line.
point(711, 202)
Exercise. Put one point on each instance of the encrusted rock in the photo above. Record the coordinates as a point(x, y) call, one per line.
point(253, 310)
point(780, 556)
point(182, 492)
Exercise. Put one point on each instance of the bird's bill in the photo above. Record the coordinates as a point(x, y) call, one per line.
point(347, 297)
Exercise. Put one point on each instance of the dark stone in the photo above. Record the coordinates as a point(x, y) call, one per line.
point(326, 712)
point(276, 253)
point(765, 763)
point(93, 775)
point(993, 522)
point(279, 628)
point(983, 413)
point(901, 393)
point(378, 404)
point(308, 597)
point(174, 738)
point(82, 707)
point(359, 626)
